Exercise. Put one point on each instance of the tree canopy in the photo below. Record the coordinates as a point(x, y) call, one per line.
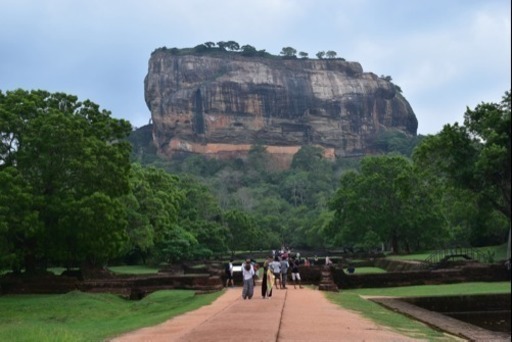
point(71, 162)
point(476, 155)
point(70, 196)
point(385, 199)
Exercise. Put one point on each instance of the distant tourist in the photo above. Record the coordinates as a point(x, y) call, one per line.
point(306, 262)
point(268, 278)
point(295, 273)
point(247, 276)
point(256, 267)
point(284, 272)
point(328, 261)
point(229, 273)
point(275, 266)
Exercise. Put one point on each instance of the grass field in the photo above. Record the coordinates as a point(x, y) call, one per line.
point(367, 270)
point(498, 253)
point(78, 316)
point(353, 300)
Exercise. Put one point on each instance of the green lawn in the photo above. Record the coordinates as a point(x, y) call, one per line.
point(134, 269)
point(78, 316)
point(366, 270)
point(498, 253)
point(353, 300)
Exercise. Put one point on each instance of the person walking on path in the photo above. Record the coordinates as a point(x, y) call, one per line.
point(229, 273)
point(295, 274)
point(275, 266)
point(267, 281)
point(284, 272)
point(328, 261)
point(247, 275)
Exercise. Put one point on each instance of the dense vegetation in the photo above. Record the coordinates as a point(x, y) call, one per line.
point(70, 196)
point(232, 47)
point(77, 316)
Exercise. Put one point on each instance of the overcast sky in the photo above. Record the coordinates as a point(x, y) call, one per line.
point(444, 54)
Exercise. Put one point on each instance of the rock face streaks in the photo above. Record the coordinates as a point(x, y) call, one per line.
point(222, 105)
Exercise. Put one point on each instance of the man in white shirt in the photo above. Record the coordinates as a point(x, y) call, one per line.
point(275, 266)
point(247, 275)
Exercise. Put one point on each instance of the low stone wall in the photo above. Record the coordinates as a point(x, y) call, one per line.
point(134, 287)
point(482, 302)
point(212, 278)
point(398, 265)
point(446, 276)
point(40, 284)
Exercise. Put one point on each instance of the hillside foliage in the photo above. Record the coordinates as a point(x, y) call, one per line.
point(74, 194)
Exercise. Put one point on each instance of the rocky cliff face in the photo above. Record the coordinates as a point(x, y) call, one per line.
point(221, 105)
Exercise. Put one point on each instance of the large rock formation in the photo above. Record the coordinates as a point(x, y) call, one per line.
point(223, 104)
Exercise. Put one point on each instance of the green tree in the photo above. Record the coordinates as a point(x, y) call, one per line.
point(222, 45)
point(391, 140)
point(242, 229)
point(200, 48)
point(388, 198)
point(475, 156)
point(232, 45)
point(92, 230)
point(303, 54)
point(153, 208)
point(201, 215)
point(68, 154)
point(320, 54)
point(331, 54)
point(257, 164)
point(307, 158)
point(296, 188)
point(20, 227)
point(249, 50)
point(288, 52)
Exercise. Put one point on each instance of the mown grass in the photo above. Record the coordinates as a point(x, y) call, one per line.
point(126, 269)
point(366, 270)
point(134, 269)
point(78, 316)
point(353, 300)
point(498, 253)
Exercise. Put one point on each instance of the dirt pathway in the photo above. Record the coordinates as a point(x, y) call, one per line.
point(290, 315)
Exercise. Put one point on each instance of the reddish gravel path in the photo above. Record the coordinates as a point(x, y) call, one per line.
point(290, 315)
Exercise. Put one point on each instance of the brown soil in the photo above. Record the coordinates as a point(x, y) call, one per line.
point(290, 315)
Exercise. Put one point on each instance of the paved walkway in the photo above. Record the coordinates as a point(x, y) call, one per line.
point(296, 315)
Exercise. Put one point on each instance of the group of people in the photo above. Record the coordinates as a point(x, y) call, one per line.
point(276, 271)
point(274, 275)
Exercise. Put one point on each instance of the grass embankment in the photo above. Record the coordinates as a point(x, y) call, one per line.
point(494, 253)
point(353, 300)
point(78, 316)
point(366, 270)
